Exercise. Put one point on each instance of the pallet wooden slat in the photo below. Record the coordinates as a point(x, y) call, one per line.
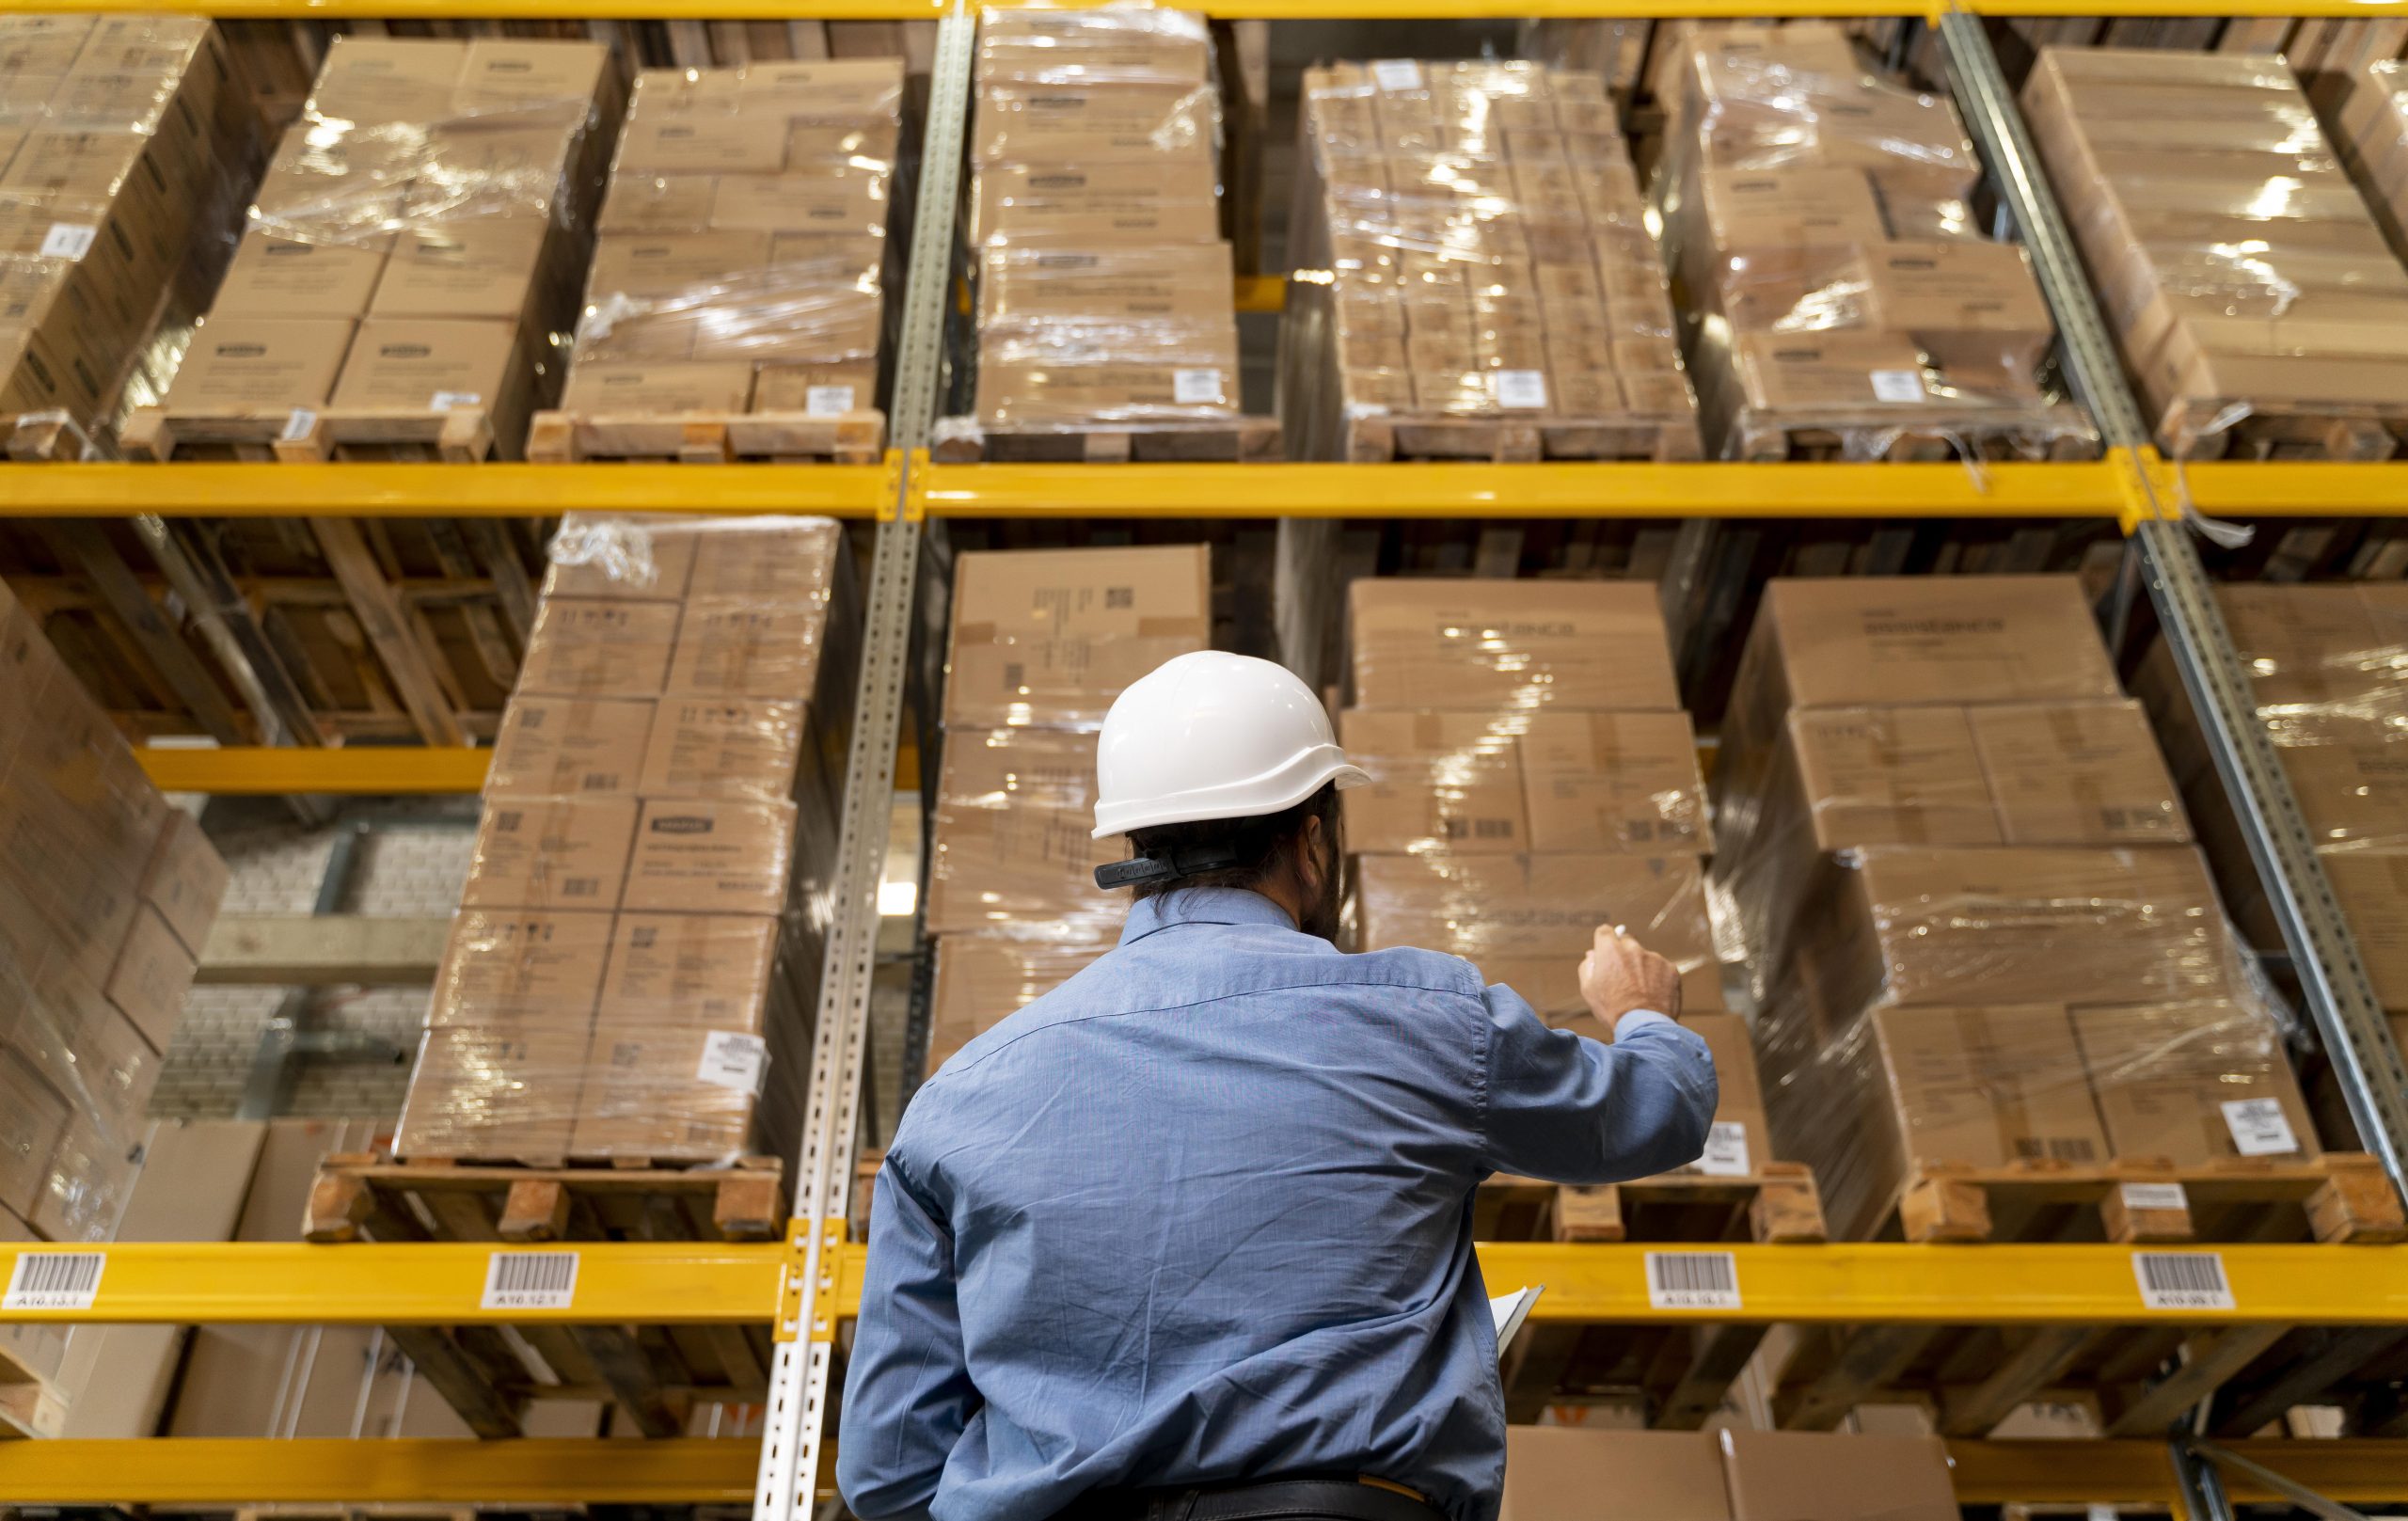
point(710, 438)
point(2342, 1196)
point(463, 435)
point(1246, 440)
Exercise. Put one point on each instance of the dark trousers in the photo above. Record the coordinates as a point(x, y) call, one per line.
point(1268, 1500)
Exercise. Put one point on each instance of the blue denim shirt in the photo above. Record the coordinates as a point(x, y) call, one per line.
point(1203, 1213)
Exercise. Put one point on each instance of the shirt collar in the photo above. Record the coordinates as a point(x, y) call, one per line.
point(1201, 906)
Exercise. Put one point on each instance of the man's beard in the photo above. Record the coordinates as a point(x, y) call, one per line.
point(1323, 903)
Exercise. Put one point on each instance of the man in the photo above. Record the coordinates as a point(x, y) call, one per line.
point(1201, 1218)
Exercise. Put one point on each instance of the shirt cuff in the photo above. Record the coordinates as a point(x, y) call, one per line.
point(1639, 1019)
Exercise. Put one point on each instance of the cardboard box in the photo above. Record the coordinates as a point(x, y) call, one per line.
point(639, 556)
point(1820, 1476)
point(1856, 776)
point(2194, 1083)
point(377, 81)
point(1439, 780)
point(92, 1055)
point(1010, 840)
point(1168, 285)
point(1507, 645)
point(153, 972)
point(602, 387)
point(981, 980)
point(31, 1116)
point(1987, 1086)
point(641, 1096)
point(1967, 301)
point(2371, 886)
point(824, 89)
point(2078, 773)
point(287, 278)
point(659, 264)
point(242, 363)
point(417, 365)
point(702, 857)
point(1619, 783)
point(530, 76)
point(690, 971)
point(1526, 921)
point(502, 1091)
point(92, 1174)
point(1793, 206)
point(777, 559)
point(1835, 368)
point(747, 649)
point(1662, 1475)
point(2323, 644)
point(1169, 199)
point(592, 647)
point(185, 881)
point(505, 968)
point(1053, 636)
point(723, 747)
point(483, 267)
point(1746, 1142)
point(551, 747)
point(551, 853)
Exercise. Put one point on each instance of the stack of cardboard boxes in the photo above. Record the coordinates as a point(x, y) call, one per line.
point(106, 898)
point(637, 946)
point(1488, 256)
point(417, 240)
point(2369, 123)
point(1979, 932)
point(2328, 668)
point(1551, 1474)
point(1042, 642)
point(1532, 778)
point(1821, 238)
point(2239, 266)
point(1104, 288)
point(741, 260)
point(121, 142)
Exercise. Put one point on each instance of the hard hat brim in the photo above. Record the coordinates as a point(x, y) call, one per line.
point(1252, 798)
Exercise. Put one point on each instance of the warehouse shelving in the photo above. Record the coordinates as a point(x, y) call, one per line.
point(805, 1287)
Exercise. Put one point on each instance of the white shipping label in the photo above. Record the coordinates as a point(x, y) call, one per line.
point(1692, 1280)
point(1524, 389)
point(731, 1060)
point(2155, 1197)
point(1726, 1150)
point(67, 240)
point(1196, 387)
point(2259, 1126)
point(298, 426)
point(530, 1280)
point(827, 401)
point(1396, 73)
point(2102, 1513)
point(53, 1280)
point(1898, 385)
point(2182, 1280)
point(444, 401)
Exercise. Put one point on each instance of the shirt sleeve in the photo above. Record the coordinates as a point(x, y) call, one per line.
point(908, 1394)
point(1571, 1110)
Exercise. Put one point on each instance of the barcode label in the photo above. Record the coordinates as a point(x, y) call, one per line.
point(297, 425)
point(2182, 1280)
point(1522, 388)
point(1726, 1150)
point(530, 1280)
point(2259, 1127)
point(1396, 73)
point(733, 1060)
point(2155, 1197)
point(1692, 1280)
point(67, 240)
point(55, 1281)
point(1897, 384)
point(1196, 387)
point(827, 401)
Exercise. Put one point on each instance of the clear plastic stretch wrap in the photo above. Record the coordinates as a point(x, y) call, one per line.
point(106, 899)
point(2369, 124)
point(1977, 933)
point(635, 960)
point(1103, 286)
point(2329, 669)
point(419, 239)
point(1012, 857)
point(981, 978)
point(122, 141)
point(1842, 295)
point(1475, 247)
point(742, 255)
point(2242, 270)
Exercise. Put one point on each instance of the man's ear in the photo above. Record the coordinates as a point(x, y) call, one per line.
point(1310, 857)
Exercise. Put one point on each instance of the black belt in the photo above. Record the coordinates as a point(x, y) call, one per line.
point(1347, 1499)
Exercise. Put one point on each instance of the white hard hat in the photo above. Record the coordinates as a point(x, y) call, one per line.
point(1212, 735)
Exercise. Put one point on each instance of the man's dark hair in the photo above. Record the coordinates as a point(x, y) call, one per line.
point(1267, 847)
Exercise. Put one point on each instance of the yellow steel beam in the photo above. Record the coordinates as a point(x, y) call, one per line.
point(421, 1283)
point(361, 489)
point(2359, 1471)
point(533, 1471)
point(1262, 293)
point(1622, 489)
point(2294, 488)
point(357, 770)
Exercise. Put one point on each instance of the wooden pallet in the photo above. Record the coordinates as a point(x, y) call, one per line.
point(30, 1405)
point(2342, 1196)
point(46, 439)
point(356, 1512)
point(462, 436)
point(1678, 1374)
point(1940, 436)
point(709, 437)
point(1378, 439)
point(658, 1373)
point(1244, 440)
point(2190, 429)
